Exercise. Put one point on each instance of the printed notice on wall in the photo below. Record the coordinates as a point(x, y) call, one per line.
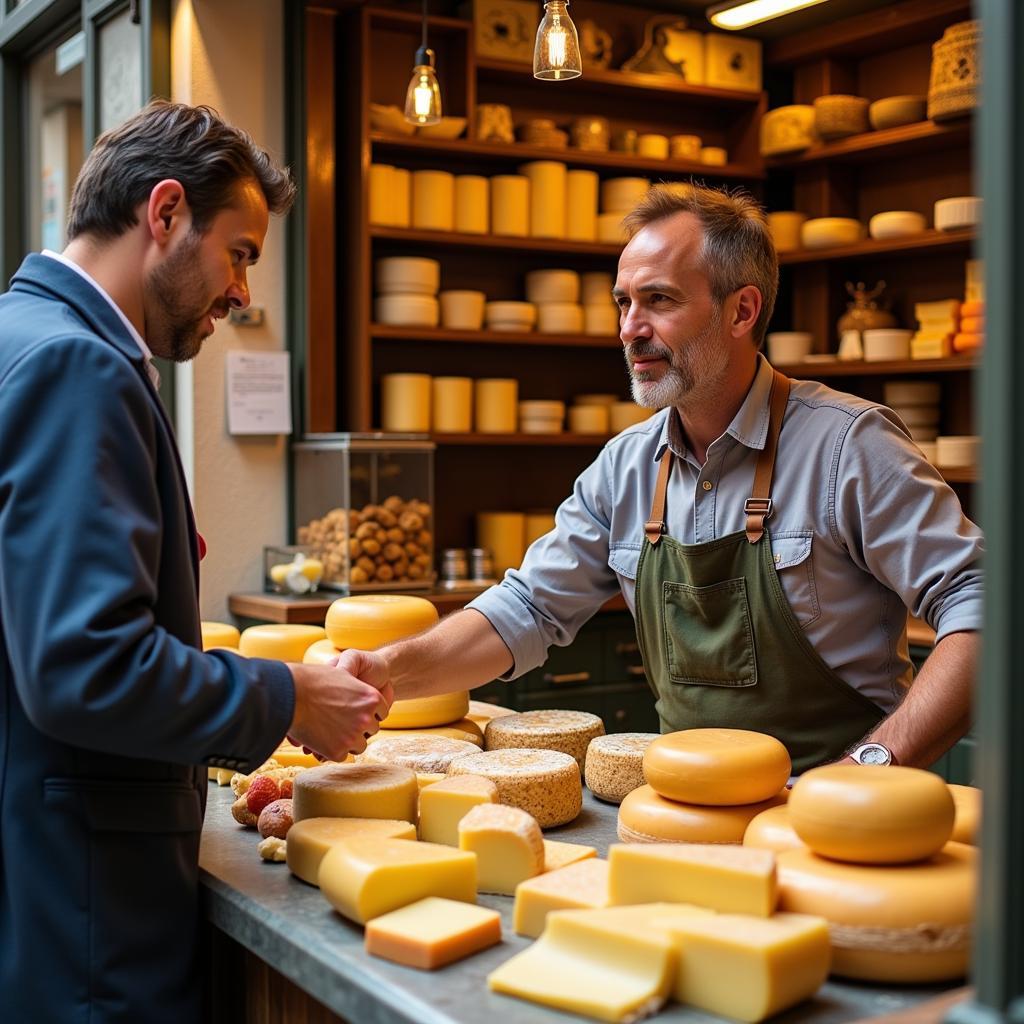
point(259, 393)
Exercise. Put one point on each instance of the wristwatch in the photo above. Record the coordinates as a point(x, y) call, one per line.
point(873, 753)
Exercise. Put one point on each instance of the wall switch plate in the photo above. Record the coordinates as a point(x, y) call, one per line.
point(252, 316)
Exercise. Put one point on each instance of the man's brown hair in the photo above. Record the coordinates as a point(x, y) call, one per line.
point(737, 248)
point(192, 145)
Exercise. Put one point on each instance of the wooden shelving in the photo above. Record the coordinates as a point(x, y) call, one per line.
point(912, 245)
point(564, 440)
point(960, 474)
point(388, 332)
point(860, 368)
point(561, 246)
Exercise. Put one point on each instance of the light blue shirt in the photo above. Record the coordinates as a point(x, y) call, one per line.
point(863, 528)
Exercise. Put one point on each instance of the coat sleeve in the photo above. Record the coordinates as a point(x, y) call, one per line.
point(82, 542)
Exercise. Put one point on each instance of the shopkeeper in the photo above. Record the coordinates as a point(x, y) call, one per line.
point(768, 534)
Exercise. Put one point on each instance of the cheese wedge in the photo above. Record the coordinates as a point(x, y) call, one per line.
point(508, 845)
point(448, 801)
point(576, 887)
point(559, 855)
point(310, 839)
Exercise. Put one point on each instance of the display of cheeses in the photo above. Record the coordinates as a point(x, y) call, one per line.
point(567, 731)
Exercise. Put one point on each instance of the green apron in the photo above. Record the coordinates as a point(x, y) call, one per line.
point(720, 644)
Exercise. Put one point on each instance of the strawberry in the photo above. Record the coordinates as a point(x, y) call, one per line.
point(263, 791)
point(286, 789)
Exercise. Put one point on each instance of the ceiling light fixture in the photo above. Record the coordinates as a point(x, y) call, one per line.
point(556, 55)
point(739, 14)
point(423, 97)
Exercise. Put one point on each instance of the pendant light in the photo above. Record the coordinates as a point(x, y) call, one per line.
point(557, 53)
point(738, 14)
point(423, 97)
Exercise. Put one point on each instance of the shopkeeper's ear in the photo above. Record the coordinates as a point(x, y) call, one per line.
point(167, 211)
point(746, 308)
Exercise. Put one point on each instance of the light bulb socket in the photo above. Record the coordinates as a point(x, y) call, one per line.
point(424, 57)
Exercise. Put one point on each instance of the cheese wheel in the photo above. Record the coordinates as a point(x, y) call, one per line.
point(567, 731)
point(481, 712)
point(310, 839)
point(323, 652)
point(544, 783)
point(420, 753)
point(967, 822)
point(904, 923)
point(771, 830)
point(647, 817)
point(219, 634)
point(372, 620)
point(464, 729)
point(427, 712)
point(870, 814)
point(615, 764)
point(717, 767)
point(356, 791)
point(283, 642)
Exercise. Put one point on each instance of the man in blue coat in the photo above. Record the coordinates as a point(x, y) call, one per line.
point(110, 713)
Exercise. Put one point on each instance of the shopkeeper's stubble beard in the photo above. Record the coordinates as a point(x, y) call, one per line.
point(696, 370)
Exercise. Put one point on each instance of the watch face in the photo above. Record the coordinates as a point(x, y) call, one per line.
point(873, 753)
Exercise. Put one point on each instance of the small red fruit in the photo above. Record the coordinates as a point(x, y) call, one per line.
point(262, 791)
point(275, 819)
point(286, 789)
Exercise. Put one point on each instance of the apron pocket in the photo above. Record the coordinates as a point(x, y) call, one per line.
point(708, 637)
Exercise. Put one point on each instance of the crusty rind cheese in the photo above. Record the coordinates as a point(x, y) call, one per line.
point(508, 845)
point(420, 753)
point(356, 791)
point(771, 830)
point(573, 887)
point(310, 839)
point(615, 764)
point(544, 783)
point(567, 731)
point(427, 712)
point(967, 823)
point(464, 729)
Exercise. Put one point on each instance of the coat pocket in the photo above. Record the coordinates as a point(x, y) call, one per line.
point(791, 553)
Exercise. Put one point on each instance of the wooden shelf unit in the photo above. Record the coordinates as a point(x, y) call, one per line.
point(558, 246)
point(388, 332)
point(888, 368)
point(911, 245)
point(563, 440)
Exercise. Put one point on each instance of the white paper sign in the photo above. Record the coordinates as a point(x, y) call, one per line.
point(259, 393)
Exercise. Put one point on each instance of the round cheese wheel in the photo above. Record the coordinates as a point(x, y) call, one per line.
point(545, 783)
point(323, 652)
point(647, 817)
point(481, 712)
point(427, 712)
point(771, 830)
point(311, 838)
point(464, 729)
point(718, 767)
point(870, 814)
point(420, 753)
point(903, 923)
point(615, 764)
point(567, 731)
point(967, 822)
point(369, 621)
point(284, 642)
point(219, 634)
point(356, 791)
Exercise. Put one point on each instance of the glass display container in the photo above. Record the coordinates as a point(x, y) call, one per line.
point(291, 569)
point(364, 507)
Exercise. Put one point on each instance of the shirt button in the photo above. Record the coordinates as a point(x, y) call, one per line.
point(707, 485)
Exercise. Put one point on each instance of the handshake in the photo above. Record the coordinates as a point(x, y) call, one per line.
point(337, 707)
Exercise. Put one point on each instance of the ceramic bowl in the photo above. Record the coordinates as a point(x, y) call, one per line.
point(391, 119)
point(446, 128)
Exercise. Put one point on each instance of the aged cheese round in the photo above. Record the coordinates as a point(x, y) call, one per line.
point(310, 839)
point(372, 620)
point(771, 830)
point(481, 712)
point(567, 731)
point(356, 791)
point(615, 764)
point(903, 923)
point(323, 652)
point(718, 767)
point(420, 753)
point(967, 823)
point(427, 712)
point(646, 817)
point(545, 783)
point(870, 814)
point(284, 642)
point(464, 729)
point(219, 634)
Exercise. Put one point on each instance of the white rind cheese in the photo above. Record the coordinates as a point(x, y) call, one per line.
point(420, 753)
point(615, 764)
point(567, 731)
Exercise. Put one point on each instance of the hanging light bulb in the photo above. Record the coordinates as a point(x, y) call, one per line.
point(556, 55)
point(423, 97)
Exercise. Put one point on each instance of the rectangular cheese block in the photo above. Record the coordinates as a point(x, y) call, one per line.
point(444, 804)
point(750, 968)
point(731, 879)
point(366, 877)
point(433, 932)
point(559, 855)
point(574, 887)
point(946, 309)
point(310, 839)
point(929, 348)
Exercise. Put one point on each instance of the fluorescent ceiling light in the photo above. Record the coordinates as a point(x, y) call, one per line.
point(743, 14)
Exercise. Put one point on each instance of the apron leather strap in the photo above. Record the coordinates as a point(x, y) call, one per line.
point(655, 526)
point(758, 506)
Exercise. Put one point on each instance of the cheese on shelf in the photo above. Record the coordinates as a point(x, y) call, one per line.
point(544, 783)
point(481, 712)
point(646, 817)
point(750, 968)
point(219, 634)
point(574, 887)
point(283, 642)
point(615, 764)
point(872, 814)
point(356, 791)
point(310, 839)
point(720, 767)
point(420, 753)
point(508, 846)
point(967, 823)
point(902, 923)
point(464, 729)
point(730, 879)
point(772, 830)
point(558, 855)
point(432, 932)
point(372, 620)
point(366, 877)
point(567, 731)
point(448, 801)
point(427, 712)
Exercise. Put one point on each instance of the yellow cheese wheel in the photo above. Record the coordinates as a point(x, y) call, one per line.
point(647, 817)
point(323, 652)
point(464, 729)
point(285, 642)
point(903, 923)
point(718, 767)
point(219, 634)
point(372, 620)
point(967, 823)
point(356, 791)
point(427, 712)
point(310, 839)
point(771, 830)
point(870, 814)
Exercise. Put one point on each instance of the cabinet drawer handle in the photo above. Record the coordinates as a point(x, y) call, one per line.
point(620, 715)
point(567, 677)
point(635, 670)
point(633, 648)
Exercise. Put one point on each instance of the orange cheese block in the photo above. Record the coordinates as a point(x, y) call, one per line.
point(972, 325)
point(973, 308)
point(772, 830)
point(967, 822)
point(967, 342)
point(372, 620)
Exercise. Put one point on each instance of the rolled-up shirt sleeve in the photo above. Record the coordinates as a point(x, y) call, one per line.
point(564, 578)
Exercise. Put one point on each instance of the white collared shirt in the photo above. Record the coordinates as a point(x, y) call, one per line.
point(151, 370)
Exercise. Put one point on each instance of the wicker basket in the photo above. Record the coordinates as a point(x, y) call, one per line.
point(837, 116)
point(955, 83)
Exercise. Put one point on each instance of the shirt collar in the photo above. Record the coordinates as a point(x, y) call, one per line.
point(151, 370)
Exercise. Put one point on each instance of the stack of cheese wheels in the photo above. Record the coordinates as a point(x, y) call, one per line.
point(879, 866)
point(704, 786)
point(567, 731)
point(615, 764)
